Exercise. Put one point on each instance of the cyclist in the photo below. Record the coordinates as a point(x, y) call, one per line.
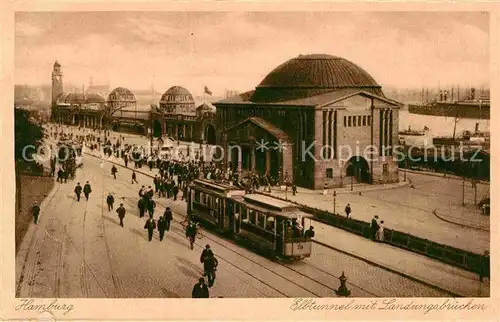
point(209, 264)
point(191, 230)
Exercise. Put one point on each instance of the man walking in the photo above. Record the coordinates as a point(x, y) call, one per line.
point(209, 265)
point(151, 207)
point(374, 227)
point(176, 192)
point(121, 213)
point(78, 191)
point(348, 210)
point(134, 177)
point(87, 190)
point(36, 212)
point(200, 289)
point(141, 204)
point(162, 225)
point(156, 182)
point(114, 170)
point(167, 215)
point(110, 200)
point(150, 226)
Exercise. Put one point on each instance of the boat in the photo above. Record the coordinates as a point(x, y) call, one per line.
point(418, 138)
point(461, 109)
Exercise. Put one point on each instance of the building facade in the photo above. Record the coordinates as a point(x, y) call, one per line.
point(176, 116)
point(319, 119)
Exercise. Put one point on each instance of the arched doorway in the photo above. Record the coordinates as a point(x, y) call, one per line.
point(357, 167)
point(210, 134)
point(157, 129)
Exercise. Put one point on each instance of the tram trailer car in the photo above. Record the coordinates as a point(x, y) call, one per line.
point(268, 224)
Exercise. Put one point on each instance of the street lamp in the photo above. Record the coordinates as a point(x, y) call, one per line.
point(352, 179)
point(334, 201)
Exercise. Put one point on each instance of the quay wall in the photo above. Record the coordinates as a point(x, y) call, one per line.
point(449, 255)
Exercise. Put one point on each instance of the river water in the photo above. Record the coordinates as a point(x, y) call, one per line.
point(439, 125)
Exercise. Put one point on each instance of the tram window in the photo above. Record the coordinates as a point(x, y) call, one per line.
point(251, 215)
point(244, 216)
point(270, 224)
point(261, 220)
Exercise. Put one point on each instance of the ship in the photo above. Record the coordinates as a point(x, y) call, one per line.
point(472, 107)
point(464, 109)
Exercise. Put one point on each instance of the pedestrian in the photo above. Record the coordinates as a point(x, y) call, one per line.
point(294, 189)
point(65, 176)
point(184, 193)
point(36, 212)
point(78, 191)
point(167, 215)
point(121, 213)
point(141, 192)
point(125, 159)
point(150, 226)
point(162, 226)
point(87, 190)
point(114, 170)
point(484, 269)
point(200, 289)
point(156, 182)
point(151, 207)
point(110, 200)
point(347, 210)
point(209, 264)
point(134, 177)
point(379, 236)
point(176, 192)
point(60, 174)
point(141, 204)
point(191, 233)
point(374, 227)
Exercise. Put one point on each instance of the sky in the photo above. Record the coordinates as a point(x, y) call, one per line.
point(236, 50)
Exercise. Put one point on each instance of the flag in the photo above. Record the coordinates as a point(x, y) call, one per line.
point(207, 91)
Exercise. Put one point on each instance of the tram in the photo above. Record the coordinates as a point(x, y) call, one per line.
point(268, 224)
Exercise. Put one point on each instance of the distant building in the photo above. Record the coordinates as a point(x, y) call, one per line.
point(318, 101)
point(174, 114)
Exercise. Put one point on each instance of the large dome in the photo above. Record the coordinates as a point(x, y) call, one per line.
point(121, 94)
point(177, 100)
point(177, 94)
point(310, 75)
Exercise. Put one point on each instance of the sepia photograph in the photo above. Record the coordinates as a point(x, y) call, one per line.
point(252, 154)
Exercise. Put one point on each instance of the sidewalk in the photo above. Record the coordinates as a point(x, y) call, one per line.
point(409, 209)
point(405, 263)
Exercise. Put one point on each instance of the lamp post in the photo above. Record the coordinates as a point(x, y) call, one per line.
point(352, 179)
point(334, 201)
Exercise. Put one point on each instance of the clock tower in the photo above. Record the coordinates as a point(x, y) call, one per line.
point(57, 84)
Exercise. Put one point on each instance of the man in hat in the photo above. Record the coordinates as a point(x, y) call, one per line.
point(162, 225)
point(141, 191)
point(110, 200)
point(347, 210)
point(78, 191)
point(36, 212)
point(156, 182)
point(209, 265)
point(191, 233)
point(150, 226)
point(134, 177)
point(167, 215)
point(141, 204)
point(114, 170)
point(87, 190)
point(200, 289)
point(121, 213)
point(151, 207)
point(374, 227)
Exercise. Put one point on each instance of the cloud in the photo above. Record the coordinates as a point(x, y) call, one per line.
point(236, 50)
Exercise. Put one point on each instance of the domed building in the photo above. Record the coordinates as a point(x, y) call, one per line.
point(79, 109)
point(125, 115)
point(181, 119)
point(307, 122)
